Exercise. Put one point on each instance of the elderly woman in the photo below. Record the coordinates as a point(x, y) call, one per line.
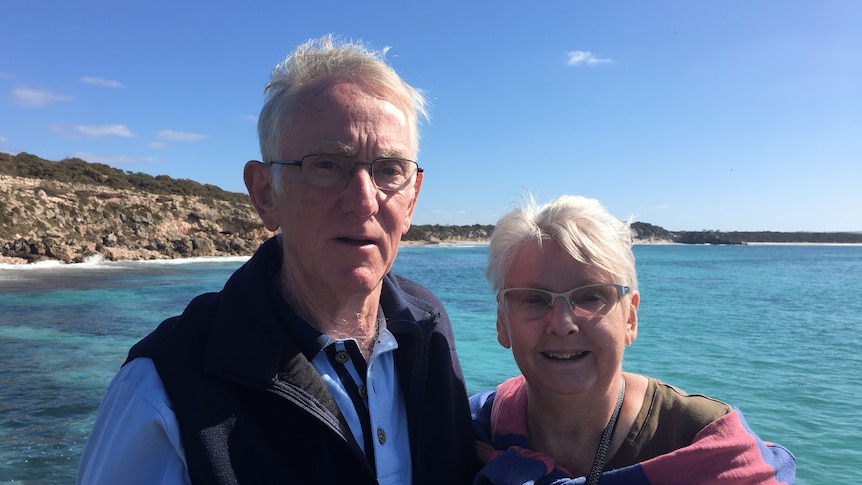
point(564, 274)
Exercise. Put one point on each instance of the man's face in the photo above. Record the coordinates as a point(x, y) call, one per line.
point(342, 241)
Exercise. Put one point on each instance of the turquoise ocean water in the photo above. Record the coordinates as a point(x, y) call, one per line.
point(774, 330)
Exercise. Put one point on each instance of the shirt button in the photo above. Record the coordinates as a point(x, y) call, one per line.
point(341, 357)
point(381, 436)
point(363, 392)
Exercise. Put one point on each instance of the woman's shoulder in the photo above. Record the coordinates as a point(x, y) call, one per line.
point(669, 419)
point(511, 388)
point(675, 404)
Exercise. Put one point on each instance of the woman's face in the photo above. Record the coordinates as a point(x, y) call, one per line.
point(561, 353)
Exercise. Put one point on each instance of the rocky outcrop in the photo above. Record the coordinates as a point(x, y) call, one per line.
point(46, 219)
point(73, 210)
point(436, 234)
point(644, 233)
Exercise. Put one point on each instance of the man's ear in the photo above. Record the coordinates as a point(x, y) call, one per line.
point(632, 321)
point(412, 206)
point(258, 181)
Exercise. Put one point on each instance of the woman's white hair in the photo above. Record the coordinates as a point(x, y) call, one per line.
point(581, 226)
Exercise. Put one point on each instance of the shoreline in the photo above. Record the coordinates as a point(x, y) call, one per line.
point(7, 262)
point(671, 243)
point(457, 242)
point(800, 244)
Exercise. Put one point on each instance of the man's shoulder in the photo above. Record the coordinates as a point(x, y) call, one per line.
point(411, 287)
point(180, 331)
point(200, 312)
point(407, 304)
point(139, 376)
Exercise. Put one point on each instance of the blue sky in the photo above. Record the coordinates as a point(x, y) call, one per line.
point(720, 115)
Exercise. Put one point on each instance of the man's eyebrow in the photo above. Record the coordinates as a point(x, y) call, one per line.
point(333, 148)
point(392, 154)
point(340, 148)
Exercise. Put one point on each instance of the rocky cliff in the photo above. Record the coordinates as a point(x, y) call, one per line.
point(73, 210)
point(70, 222)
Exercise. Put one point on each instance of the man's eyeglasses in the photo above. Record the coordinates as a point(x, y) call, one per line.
point(586, 302)
point(334, 171)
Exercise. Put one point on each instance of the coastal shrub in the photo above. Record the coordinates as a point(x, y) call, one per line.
point(75, 170)
point(5, 214)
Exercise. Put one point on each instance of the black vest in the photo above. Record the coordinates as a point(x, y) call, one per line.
point(252, 408)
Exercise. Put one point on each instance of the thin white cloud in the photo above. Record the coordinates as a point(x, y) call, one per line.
point(157, 144)
point(100, 81)
point(179, 135)
point(581, 58)
point(3, 139)
point(37, 98)
point(100, 131)
point(91, 131)
point(113, 159)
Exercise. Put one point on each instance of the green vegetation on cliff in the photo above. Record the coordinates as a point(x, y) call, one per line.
point(437, 233)
point(71, 210)
point(648, 232)
point(75, 170)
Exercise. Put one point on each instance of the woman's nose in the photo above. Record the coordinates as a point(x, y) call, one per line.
point(562, 316)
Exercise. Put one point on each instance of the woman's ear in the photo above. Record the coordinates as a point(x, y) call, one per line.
point(503, 331)
point(258, 181)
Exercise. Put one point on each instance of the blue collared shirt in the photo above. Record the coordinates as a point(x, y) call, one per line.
point(382, 396)
point(136, 436)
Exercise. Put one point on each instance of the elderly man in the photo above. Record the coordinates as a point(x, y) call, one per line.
point(314, 364)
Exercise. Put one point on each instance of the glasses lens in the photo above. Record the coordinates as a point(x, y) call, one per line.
point(591, 300)
point(393, 173)
point(528, 304)
point(329, 171)
point(585, 302)
point(326, 171)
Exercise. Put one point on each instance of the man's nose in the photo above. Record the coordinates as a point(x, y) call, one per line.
point(361, 191)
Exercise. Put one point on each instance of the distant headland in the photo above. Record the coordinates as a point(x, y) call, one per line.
point(73, 210)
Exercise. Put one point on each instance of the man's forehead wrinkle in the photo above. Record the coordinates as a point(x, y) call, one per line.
point(341, 148)
point(334, 147)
